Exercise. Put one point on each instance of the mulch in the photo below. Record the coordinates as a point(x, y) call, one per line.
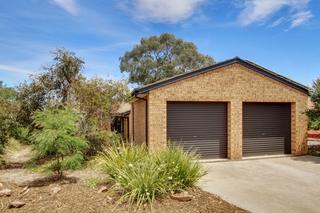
point(78, 197)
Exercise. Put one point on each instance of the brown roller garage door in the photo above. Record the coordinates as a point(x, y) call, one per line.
point(266, 128)
point(198, 126)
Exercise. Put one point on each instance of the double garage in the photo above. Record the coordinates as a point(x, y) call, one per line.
point(232, 109)
point(203, 127)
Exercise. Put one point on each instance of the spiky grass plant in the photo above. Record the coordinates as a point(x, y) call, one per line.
point(181, 169)
point(143, 176)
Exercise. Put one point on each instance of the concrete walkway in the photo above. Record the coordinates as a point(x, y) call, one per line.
point(287, 184)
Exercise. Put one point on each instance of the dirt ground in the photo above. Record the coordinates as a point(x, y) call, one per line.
point(78, 197)
point(76, 194)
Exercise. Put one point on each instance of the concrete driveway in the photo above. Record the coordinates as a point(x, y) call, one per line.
point(287, 184)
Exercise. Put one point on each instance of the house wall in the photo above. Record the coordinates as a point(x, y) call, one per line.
point(233, 84)
point(139, 122)
point(131, 124)
point(126, 129)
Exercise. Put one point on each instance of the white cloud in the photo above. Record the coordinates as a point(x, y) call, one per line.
point(257, 11)
point(9, 68)
point(68, 5)
point(171, 11)
point(300, 18)
point(278, 22)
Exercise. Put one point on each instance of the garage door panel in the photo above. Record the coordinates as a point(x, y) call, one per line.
point(198, 126)
point(201, 146)
point(266, 128)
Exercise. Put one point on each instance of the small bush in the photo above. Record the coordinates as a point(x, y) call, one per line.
point(143, 175)
point(100, 140)
point(22, 134)
point(314, 124)
point(57, 139)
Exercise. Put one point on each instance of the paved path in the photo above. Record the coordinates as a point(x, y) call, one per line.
point(287, 184)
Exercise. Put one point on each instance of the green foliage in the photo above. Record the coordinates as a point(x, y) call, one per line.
point(57, 139)
point(94, 182)
point(33, 96)
point(64, 73)
point(98, 99)
point(143, 175)
point(182, 169)
point(50, 88)
point(62, 84)
point(22, 134)
point(159, 57)
point(101, 140)
point(8, 110)
point(133, 169)
point(314, 113)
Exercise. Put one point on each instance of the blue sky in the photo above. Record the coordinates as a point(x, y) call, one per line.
point(282, 35)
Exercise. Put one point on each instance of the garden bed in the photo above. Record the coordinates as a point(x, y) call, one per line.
point(78, 197)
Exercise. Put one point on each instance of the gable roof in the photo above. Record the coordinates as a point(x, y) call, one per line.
point(246, 63)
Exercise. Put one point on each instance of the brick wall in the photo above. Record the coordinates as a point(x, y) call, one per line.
point(234, 84)
point(139, 122)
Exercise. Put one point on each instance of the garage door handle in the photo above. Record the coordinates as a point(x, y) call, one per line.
point(195, 136)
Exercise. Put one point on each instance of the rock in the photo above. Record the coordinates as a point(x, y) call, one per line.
point(55, 190)
point(1, 185)
point(102, 189)
point(183, 196)
point(16, 204)
point(5, 192)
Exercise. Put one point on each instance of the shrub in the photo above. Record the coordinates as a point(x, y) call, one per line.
point(57, 139)
point(22, 134)
point(181, 168)
point(143, 175)
point(314, 124)
point(4, 135)
point(314, 112)
point(100, 140)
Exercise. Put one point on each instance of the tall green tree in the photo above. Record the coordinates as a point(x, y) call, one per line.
point(65, 71)
point(314, 113)
point(159, 57)
point(52, 87)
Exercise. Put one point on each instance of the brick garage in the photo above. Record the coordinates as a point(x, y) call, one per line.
point(237, 83)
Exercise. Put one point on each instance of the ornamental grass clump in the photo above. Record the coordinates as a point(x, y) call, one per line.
point(135, 171)
point(182, 169)
point(143, 175)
